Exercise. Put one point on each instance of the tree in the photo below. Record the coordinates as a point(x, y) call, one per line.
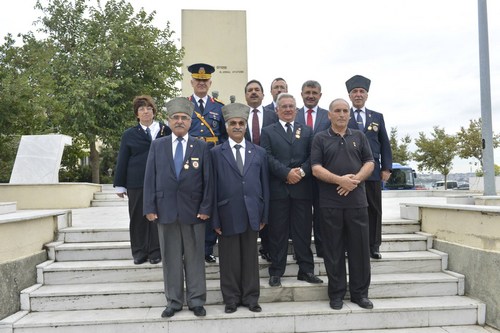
point(469, 141)
point(400, 152)
point(436, 153)
point(94, 60)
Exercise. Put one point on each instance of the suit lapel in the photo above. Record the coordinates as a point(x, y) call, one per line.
point(227, 153)
point(249, 156)
point(319, 118)
point(169, 154)
point(301, 118)
point(189, 151)
point(281, 131)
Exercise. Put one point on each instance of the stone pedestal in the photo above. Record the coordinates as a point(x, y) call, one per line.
point(38, 159)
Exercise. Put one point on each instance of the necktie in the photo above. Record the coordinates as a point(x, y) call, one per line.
point(309, 121)
point(255, 128)
point(289, 130)
point(202, 108)
point(359, 120)
point(178, 158)
point(239, 160)
point(148, 132)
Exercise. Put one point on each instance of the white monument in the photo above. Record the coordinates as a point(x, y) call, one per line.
point(38, 159)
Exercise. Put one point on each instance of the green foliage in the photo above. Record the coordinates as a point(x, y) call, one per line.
point(469, 141)
point(81, 77)
point(480, 173)
point(8, 150)
point(400, 152)
point(436, 153)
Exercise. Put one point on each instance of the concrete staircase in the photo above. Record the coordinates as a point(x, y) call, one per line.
point(107, 197)
point(90, 282)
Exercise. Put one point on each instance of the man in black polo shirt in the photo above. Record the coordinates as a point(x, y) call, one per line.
point(341, 159)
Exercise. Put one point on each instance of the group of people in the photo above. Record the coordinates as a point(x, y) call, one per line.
point(238, 172)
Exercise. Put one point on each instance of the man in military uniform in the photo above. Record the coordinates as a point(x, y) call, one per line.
point(208, 125)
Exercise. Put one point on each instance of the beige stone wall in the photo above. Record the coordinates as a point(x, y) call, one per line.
point(474, 228)
point(49, 196)
point(222, 45)
point(22, 238)
point(471, 237)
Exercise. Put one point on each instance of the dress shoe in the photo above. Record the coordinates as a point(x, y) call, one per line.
point(255, 307)
point(309, 277)
point(363, 302)
point(139, 261)
point(230, 308)
point(275, 281)
point(336, 303)
point(265, 255)
point(169, 312)
point(210, 258)
point(199, 311)
point(154, 261)
point(375, 255)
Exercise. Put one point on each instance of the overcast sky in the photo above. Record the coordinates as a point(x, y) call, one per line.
point(422, 56)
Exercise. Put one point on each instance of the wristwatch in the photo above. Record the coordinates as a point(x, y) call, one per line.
point(302, 173)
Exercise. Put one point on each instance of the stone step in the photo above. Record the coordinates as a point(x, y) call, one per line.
point(8, 207)
point(121, 249)
point(87, 235)
point(108, 196)
point(400, 226)
point(441, 329)
point(151, 294)
point(109, 202)
point(311, 316)
point(102, 271)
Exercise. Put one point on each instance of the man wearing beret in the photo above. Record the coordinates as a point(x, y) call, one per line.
point(207, 124)
point(372, 124)
point(241, 210)
point(178, 194)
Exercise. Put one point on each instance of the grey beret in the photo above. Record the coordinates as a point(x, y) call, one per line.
point(180, 105)
point(235, 110)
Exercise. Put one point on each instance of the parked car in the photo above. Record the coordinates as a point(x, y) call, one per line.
point(463, 186)
point(450, 185)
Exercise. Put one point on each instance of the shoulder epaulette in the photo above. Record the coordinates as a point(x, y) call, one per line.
point(216, 100)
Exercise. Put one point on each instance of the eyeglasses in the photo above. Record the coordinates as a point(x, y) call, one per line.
point(234, 123)
point(178, 117)
point(144, 108)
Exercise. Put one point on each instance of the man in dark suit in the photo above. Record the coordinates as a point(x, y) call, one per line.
point(259, 117)
point(288, 146)
point(278, 86)
point(207, 124)
point(178, 194)
point(129, 178)
point(317, 119)
point(242, 197)
point(373, 125)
